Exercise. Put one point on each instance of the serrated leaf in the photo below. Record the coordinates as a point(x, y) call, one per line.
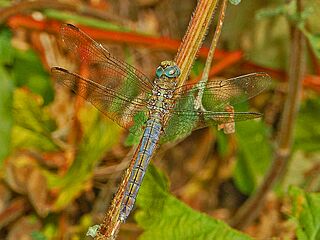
point(6, 119)
point(162, 216)
point(254, 154)
point(306, 213)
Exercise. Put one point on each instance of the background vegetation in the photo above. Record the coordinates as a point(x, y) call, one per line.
point(61, 161)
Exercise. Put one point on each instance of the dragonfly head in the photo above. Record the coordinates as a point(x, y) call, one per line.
point(168, 69)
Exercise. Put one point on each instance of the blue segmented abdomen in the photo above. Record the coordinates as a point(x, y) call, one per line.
point(148, 144)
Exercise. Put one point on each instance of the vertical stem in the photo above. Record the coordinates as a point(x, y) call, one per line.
point(205, 74)
point(194, 36)
point(251, 208)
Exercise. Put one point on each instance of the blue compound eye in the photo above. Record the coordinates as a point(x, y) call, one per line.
point(172, 72)
point(159, 72)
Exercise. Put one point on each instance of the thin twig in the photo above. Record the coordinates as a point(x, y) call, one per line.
point(250, 210)
point(205, 73)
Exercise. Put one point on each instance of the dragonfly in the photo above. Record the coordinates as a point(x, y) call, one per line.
point(121, 91)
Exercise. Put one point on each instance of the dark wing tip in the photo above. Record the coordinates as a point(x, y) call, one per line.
point(69, 25)
point(58, 69)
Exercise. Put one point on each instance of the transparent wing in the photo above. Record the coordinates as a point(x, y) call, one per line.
point(117, 107)
point(181, 124)
point(103, 68)
point(207, 118)
point(218, 94)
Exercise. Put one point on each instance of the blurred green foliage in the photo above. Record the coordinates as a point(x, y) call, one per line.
point(98, 137)
point(33, 125)
point(17, 69)
point(6, 119)
point(307, 130)
point(27, 70)
point(265, 39)
point(6, 95)
point(38, 236)
point(254, 155)
point(305, 213)
point(69, 17)
point(162, 216)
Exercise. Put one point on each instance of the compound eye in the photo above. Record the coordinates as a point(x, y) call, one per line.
point(159, 72)
point(172, 71)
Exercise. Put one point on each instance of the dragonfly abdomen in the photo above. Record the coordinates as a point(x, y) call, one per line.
point(147, 146)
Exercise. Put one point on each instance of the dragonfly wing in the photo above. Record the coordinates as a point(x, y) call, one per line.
point(215, 118)
point(218, 94)
point(117, 107)
point(217, 97)
point(182, 123)
point(104, 68)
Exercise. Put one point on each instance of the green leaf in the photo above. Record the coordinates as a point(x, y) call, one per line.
point(6, 118)
point(99, 136)
point(6, 50)
point(36, 235)
point(254, 154)
point(162, 216)
point(28, 71)
point(25, 67)
point(222, 141)
point(307, 130)
point(33, 125)
point(306, 213)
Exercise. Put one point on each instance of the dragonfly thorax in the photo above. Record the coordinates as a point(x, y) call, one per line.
point(161, 101)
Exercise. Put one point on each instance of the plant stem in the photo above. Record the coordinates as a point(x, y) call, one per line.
point(205, 74)
point(194, 36)
point(250, 210)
